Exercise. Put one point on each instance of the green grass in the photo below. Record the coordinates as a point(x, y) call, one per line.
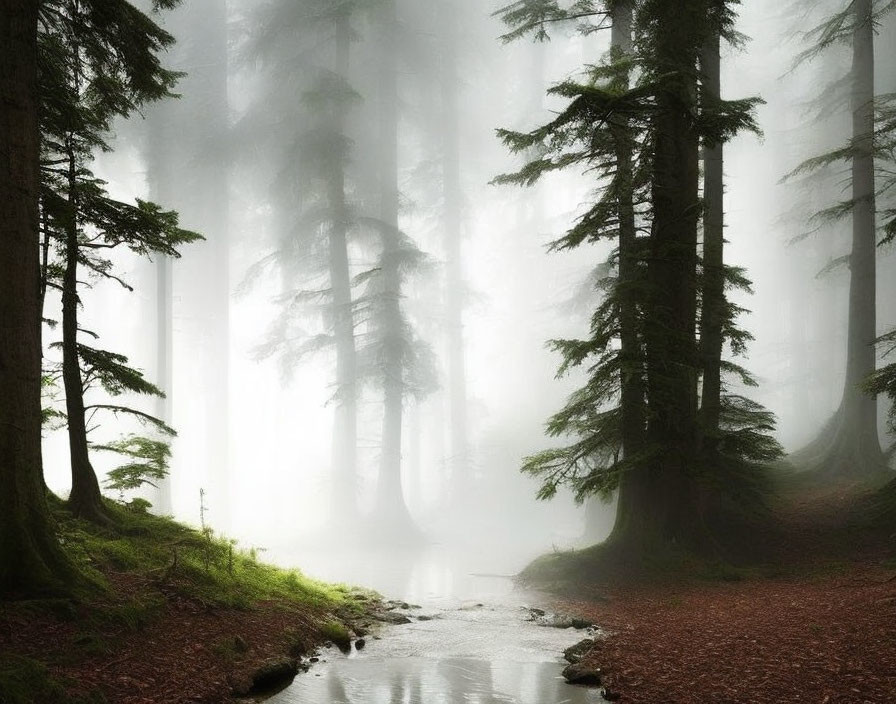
point(201, 565)
point(336, 633)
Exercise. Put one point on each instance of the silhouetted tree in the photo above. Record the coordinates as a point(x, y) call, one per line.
point(97, 63)
point(636, 420)
point(31, 561)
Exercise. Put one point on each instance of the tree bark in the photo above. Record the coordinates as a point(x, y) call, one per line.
point(85, 500)
point(713, 310)
point(31, 562)
point(849, 445)
point(632, 400)
point(663, 505)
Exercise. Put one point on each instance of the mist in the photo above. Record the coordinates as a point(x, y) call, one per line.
point(255, 425)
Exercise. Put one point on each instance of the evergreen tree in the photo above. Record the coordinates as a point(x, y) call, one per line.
point(455, 285)
point(98, 62)
point(636, 420)
point(305, 50)
point(31, 561)
point(849, 444)
point(399, 362)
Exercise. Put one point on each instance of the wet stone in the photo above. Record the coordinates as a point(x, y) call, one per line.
point(575, 653)
point(582, 675)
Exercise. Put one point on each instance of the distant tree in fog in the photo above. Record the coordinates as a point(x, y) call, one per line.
point(399, 362)
point(849, 444)
point(300, 119)
point(883, 381)
point(637, 423)
point(96, 64)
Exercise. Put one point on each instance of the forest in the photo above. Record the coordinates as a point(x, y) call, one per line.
point(417, 351)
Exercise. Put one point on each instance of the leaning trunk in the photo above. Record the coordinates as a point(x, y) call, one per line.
point(85, 500)
point(31, 561)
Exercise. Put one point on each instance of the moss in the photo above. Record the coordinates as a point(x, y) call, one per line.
point(338, 634)
point(26, 681)
point(200, 565)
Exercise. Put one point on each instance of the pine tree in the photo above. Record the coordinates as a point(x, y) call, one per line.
point(640, 140)
point(455, 286)
point(400, 364)
point(849, 444)
point(98, 62)
point(305, 49)
point(31, 561)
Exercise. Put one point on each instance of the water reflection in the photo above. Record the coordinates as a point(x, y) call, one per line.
point(432, 681)
point(477, 649)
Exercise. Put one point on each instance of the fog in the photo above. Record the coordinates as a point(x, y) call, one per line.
point(223, 330)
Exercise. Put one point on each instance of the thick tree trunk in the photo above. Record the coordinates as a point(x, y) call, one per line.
point(632, 401)
point(849, 445)
point(661, 504)
point(391, 505)
point(345, 428)
point(85, 500)
point(453, 236)
point(713, 311)
point(31, 561)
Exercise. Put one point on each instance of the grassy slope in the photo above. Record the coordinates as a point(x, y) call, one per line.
point(147, 576)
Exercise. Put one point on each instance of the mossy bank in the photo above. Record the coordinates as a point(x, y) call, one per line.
point(165, 613)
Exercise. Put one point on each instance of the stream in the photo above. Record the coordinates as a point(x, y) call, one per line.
point(471, 639)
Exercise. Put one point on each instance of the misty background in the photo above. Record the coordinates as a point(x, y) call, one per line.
point(255, 430)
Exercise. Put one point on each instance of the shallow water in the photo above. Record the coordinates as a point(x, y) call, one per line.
point(478, 648)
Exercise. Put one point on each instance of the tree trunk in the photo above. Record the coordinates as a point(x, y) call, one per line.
point(345, 427)
point(85, 500)
point(849, 445)
point(453, 234)
point(161, 180)
point(391, 505)
point(31, 561)
point(661, 502)
point(713, 311)
point(632, 402)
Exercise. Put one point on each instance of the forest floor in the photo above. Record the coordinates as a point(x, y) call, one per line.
point(813, 624)
point(173, 616)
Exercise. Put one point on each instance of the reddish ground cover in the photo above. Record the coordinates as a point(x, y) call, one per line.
point(825, 634)
point(830, 639)
point(187, 654)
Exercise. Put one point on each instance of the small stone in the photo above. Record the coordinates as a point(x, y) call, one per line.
point(574, 653)
point(582, 674)
point(360, 643)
